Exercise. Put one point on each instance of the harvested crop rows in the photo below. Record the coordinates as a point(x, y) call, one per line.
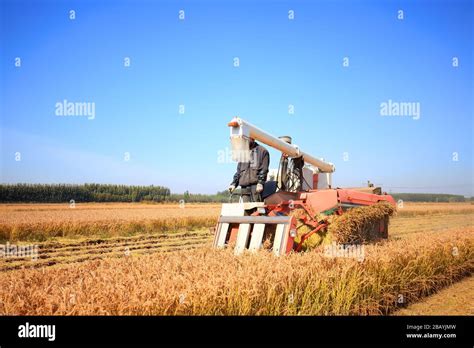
point(53, 253)
point(401, 226)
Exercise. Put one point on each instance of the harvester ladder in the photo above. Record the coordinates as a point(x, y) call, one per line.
point(253, 227)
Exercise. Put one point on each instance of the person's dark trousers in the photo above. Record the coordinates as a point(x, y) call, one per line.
point(249, 194)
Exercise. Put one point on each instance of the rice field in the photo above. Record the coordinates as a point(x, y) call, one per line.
point(166, 266)
point(41, 222)
point(209, 282)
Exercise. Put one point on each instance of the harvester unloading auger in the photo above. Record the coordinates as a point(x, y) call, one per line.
point(299, 204)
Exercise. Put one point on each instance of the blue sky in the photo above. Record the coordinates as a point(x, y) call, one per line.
point(190, 62)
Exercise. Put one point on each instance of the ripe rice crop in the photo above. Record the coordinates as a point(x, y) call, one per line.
point(215, 282)
point(40, 222)
point(44, 231)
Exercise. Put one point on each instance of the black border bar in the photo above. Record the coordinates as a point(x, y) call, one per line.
point(135, 330)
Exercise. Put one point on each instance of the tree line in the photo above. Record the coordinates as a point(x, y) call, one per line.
point(60, 193)
point(430, 197)
point(56, 193)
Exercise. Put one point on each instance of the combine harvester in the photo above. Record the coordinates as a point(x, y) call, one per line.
point(302, 184)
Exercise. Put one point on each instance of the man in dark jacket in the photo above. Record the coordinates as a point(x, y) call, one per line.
point(251, 176)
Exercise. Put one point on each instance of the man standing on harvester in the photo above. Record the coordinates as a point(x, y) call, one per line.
point(251, 175)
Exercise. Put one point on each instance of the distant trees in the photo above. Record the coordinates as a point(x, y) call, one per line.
point(430, 197)
point(219, 197)
point(55, 193)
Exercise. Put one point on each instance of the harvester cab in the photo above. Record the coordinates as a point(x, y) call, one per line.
point(298, 200)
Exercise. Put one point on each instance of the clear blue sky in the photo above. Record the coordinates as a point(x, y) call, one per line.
point(282, 62)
